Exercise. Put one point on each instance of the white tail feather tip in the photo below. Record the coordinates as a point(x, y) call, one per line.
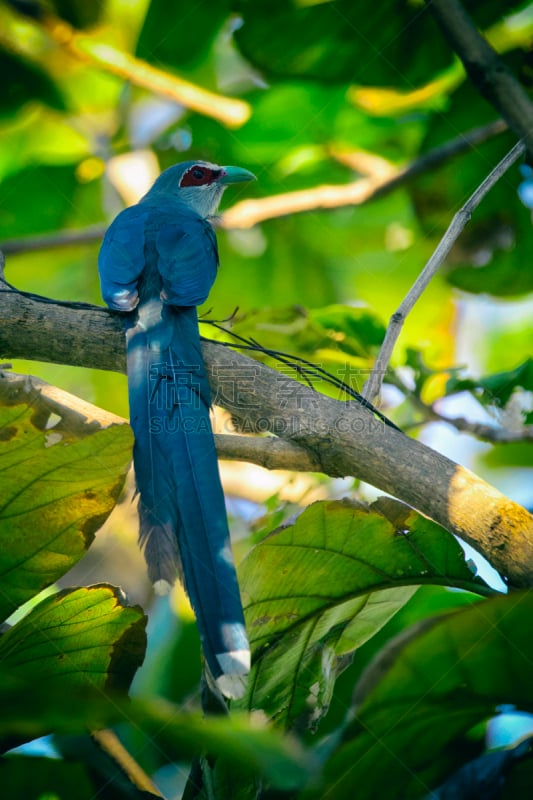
point(162, 587)
point(235, 662)
point(236, 666)
point(232, 686)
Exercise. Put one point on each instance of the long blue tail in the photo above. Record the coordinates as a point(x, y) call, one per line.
point(183, 524)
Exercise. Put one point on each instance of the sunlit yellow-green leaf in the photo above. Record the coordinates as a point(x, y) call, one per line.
point(65, 655)
point(58, 486)
point(317, 590)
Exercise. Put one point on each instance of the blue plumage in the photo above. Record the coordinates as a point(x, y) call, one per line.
point(160, 258)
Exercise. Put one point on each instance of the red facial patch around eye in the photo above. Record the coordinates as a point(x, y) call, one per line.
point(199, 176)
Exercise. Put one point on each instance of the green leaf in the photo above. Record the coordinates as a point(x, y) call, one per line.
point(354, 329)
point(495, 390)
point(58, 486)
point(501, 385)
point(341, 40)
point(66, 653)
point(78, 12)
point(428, 601)
point(423, 694)
point(184, 38)
point(24, 82)
point(28, 712)
point(315, 591)
point(82, 637)
point(44, 779)
point(271, 134)
point(239, 741)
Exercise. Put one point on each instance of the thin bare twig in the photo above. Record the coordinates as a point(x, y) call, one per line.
point(487, 433)
point(45, 241)
point(373, 385)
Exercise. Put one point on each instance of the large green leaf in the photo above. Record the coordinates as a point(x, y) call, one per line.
point(428, 601)
point(239, 743)
point(83, 637)
point(70, 649)
point(272, 135)
point(339, 40)
point(58, 486)
point(423, 694)
point(315, 591)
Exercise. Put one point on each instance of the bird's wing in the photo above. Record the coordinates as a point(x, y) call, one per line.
point(187, 259)
point(121, 259)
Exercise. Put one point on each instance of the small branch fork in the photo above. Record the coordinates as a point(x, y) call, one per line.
point(373, 385)
point(499, 86)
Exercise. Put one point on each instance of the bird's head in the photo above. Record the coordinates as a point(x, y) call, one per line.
point(199, 184)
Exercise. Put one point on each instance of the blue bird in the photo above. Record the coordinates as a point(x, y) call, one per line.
point(158, 261)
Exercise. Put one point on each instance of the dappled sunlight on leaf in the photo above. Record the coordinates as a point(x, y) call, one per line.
point(59, 484)
point(81, 641)
point(317, 590)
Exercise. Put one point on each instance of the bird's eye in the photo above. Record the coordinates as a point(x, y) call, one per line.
point(197, 176)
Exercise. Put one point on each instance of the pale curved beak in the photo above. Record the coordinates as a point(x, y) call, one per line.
point(235, 175)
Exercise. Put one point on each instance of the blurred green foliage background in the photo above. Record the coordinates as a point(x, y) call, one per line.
point(75, 100)
point(96, 98)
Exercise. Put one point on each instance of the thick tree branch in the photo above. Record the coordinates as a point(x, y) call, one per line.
point(340, 438)
point(79, 416)
point(485, 68)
